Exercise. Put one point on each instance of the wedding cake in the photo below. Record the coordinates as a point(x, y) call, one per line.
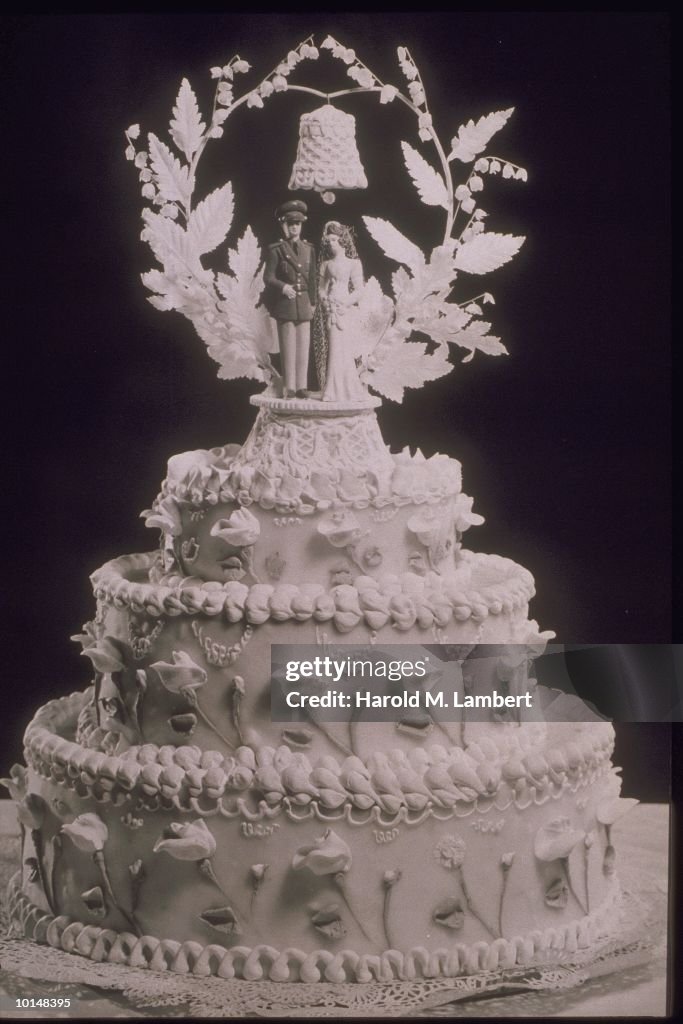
point(168, 820)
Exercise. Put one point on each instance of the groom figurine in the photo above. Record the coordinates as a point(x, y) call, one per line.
point(290, 279)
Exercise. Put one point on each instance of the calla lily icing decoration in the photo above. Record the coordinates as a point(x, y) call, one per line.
point(608, 811)
point(554, 842)
point(341, 529)
point(224, 305)
point(94, 901)
point(114, 663)
point(330, 856)
point(193, 841)
point(189, 841)
point(89, 834)
point(183, 676)
point(239, 532)
point(167, 517)
point(31, 812)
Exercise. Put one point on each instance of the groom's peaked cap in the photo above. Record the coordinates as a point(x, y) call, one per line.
point(292, 210)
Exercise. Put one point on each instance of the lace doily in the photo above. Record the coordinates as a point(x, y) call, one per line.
point(641, 925)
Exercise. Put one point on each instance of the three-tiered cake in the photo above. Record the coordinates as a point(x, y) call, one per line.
point(169, 822)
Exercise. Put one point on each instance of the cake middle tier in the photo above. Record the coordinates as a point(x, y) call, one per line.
point(195, 660)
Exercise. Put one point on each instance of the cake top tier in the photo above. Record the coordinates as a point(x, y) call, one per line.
point(297, 460)
point(220, 509)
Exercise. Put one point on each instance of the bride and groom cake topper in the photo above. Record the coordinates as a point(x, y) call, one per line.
point(299, 295)
point(381, 335)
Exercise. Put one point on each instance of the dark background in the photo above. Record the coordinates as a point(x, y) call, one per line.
point(565, 444)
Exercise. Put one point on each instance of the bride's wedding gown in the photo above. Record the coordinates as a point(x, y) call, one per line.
point(341, 278)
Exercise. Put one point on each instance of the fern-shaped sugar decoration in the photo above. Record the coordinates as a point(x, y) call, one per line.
point(210, 221)
point(429, 183)
point(172, 178)
point(473, 138)
point(187, 127)
point(397, 364)
point(171, 244)
point(248, 328)
point(476, 338)
point(394, 245)
point(487, 252)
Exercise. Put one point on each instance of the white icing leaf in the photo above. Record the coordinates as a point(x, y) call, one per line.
point(473, 138)
point(428, 182)
point(234, 361)
point(187, 127)
point(394, 245)
point(476, 339)
point(375, 313)
point(170, 244)
point(172, 178)
point(242, 341)
point(210, 222)
point(487, 252)
point(399, 364)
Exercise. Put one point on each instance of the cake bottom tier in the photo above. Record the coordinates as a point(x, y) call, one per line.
point(266, 962)
point(301, 888)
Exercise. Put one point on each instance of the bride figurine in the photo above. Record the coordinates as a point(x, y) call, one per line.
point(339, 290)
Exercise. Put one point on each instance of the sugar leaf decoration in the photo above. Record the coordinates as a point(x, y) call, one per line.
point(394, 244)
point(404, 364)
point(428, 182)
point(474, 137)
point(187, 127)
point(487, 252)
point(210, 221)
point(172, 178)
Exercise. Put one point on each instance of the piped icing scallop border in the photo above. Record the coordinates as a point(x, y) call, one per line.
point(224, 475)
point(261, 963)
point(400, 601)
point(265, 782)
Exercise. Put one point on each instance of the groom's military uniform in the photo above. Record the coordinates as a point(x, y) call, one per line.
point(290, 263)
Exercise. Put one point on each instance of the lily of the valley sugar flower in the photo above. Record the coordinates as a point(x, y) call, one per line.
point(328, 855)
point(180, 675)
point(186, 841)
point(88, 832)
point(241, 529)
point(340, 528)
